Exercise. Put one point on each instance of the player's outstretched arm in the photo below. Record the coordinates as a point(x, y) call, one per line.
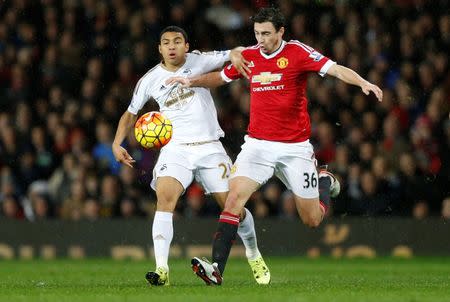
point(208, 80)
point(349, 76)
point(126, 122)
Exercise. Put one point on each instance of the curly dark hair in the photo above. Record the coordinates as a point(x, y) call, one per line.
point(175, 29)
point(270, 14)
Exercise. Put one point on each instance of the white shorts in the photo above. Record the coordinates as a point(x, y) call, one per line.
point(293, 163)
point(208, 163)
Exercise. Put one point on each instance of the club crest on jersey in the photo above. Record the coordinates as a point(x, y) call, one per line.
point(266, 78)
point(282, 63)
point(179, 96)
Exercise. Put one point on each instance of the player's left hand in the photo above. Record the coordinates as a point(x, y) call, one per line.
point(367, 87)
point(240, 63)
point(185, 82)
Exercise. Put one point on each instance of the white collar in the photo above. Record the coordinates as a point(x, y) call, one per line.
point(273, 54)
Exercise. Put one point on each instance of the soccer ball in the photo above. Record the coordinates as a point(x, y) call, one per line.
point(153, 130)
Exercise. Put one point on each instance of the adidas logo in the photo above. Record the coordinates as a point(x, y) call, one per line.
point(162, 87)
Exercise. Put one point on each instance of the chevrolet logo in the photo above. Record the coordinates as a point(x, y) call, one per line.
point(266, 78)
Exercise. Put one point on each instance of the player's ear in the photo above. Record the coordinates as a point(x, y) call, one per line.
point(186, 47)
point(281, 30)
point(159, 48)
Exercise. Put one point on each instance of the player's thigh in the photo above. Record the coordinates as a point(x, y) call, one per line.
point(173, 164)
point(213, 177)
point(255, 162)
point(168, 188)
point(299, 174)
point(241, 188)
point(168, 191)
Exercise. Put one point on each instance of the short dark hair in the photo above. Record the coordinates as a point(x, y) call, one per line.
point(270, 14)
point(175, 29)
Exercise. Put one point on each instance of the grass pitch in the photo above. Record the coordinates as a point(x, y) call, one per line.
point(293, 279)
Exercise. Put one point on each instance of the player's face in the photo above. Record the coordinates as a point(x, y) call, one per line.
point(268, 37)
point(173, 48)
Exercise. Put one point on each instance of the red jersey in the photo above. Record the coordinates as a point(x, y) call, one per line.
point(278, 103)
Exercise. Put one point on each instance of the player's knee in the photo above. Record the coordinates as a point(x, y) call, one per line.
point(166, 202)
point(233, 203)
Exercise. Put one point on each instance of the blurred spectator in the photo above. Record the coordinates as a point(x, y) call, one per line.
point(61, 179)
point(72, 207)
point(11, 208)
point(326, 150)
point(413, 184)
point(92, 185)
point(272, 196)
point(91, 209)
point(131, 187)
point(42, 208)
point(129, 208)
point(7, 183)
point(197, 205)
point(44, 157)
point(341, 163)
point(445, 212)
point(388, 183)
point(102, 150)
point(420, 210)
point(372, 202)
point(36, 204)
point(288, 207)
point(110, 194)
point(425, 145)
point(366, 154)
point(393, 143)
point(223, 15)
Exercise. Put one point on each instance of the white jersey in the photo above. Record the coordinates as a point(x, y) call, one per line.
point(191, 110)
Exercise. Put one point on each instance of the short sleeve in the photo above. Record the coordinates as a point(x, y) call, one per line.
point(230, 73)
point(212, 60)
point(140, 96)
point(312, 60)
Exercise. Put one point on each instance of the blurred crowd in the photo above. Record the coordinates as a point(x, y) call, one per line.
point(68, 69)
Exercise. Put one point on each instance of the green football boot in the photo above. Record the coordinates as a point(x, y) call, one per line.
point(260, 270)
point(160, 277)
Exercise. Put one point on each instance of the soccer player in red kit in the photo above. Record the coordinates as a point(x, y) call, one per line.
point(278, 132)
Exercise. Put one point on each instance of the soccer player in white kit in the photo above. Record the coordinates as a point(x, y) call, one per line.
point(194, 150)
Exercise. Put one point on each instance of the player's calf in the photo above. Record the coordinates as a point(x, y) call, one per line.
point(310, 211)
point(312, 220)
point(329, 187)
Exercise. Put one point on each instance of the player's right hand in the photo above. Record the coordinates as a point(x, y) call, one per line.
point(185, 82)
point(241, 64)
point(122, 155)
point(368, 87)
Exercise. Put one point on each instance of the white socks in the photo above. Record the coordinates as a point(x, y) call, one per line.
point(247, 233)
point(162, 233)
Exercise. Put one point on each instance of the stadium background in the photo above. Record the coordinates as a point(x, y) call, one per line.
point(68, 68)
point(67, 71)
